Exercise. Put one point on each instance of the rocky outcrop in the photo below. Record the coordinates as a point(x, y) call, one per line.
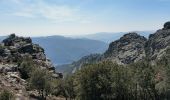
point(132, 47)
point(158, 42)
point(14, 49)
point(129, 48)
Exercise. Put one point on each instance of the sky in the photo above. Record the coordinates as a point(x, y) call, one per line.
point(78, 17)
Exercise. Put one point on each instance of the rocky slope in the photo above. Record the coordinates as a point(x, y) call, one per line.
point(158, 42)
point(132, 47)
point(15, 49)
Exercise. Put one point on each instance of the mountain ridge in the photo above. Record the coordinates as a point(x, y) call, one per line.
point(108, 37)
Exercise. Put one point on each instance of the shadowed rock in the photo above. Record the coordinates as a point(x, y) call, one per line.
point(167, 25)
point(14, 49)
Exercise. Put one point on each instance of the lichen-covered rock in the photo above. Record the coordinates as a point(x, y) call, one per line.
point(129, 48)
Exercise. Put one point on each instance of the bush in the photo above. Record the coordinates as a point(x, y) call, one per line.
point(42, 81)
point(103, 81)
point(65, 88)
point(6, 95)
point(26, 67)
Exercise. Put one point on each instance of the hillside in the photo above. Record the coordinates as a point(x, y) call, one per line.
point(63, 50)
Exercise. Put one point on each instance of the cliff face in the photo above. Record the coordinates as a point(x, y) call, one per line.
point(128, 49)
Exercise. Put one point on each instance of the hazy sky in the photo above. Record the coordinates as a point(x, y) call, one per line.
point(77, 17)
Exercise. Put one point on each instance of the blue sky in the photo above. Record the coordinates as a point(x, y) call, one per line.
point(77, 17)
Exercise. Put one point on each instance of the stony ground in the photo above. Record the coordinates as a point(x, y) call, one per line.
point(11, 82)
point(14, 49)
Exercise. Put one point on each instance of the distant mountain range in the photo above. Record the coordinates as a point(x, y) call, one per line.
point(64, 50)
point(112, 36)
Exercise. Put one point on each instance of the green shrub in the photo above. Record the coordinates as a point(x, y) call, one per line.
point(26, 67)
point(42, 81)
point(6, 95)
point(103, 81)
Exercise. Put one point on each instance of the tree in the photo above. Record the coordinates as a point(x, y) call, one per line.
point(103, 81)
point(41, 81)
point(69, 87)
point(163, 81)
point(26, 66)
point(65, 87)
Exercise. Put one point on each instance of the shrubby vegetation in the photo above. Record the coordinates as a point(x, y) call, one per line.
point(106, 81)
point(38, 79)
point(41, 81)
point(6, 95)
point(26, 66)
point(109, 81)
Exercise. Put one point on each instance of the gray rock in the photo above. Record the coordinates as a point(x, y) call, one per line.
point(8, 68)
